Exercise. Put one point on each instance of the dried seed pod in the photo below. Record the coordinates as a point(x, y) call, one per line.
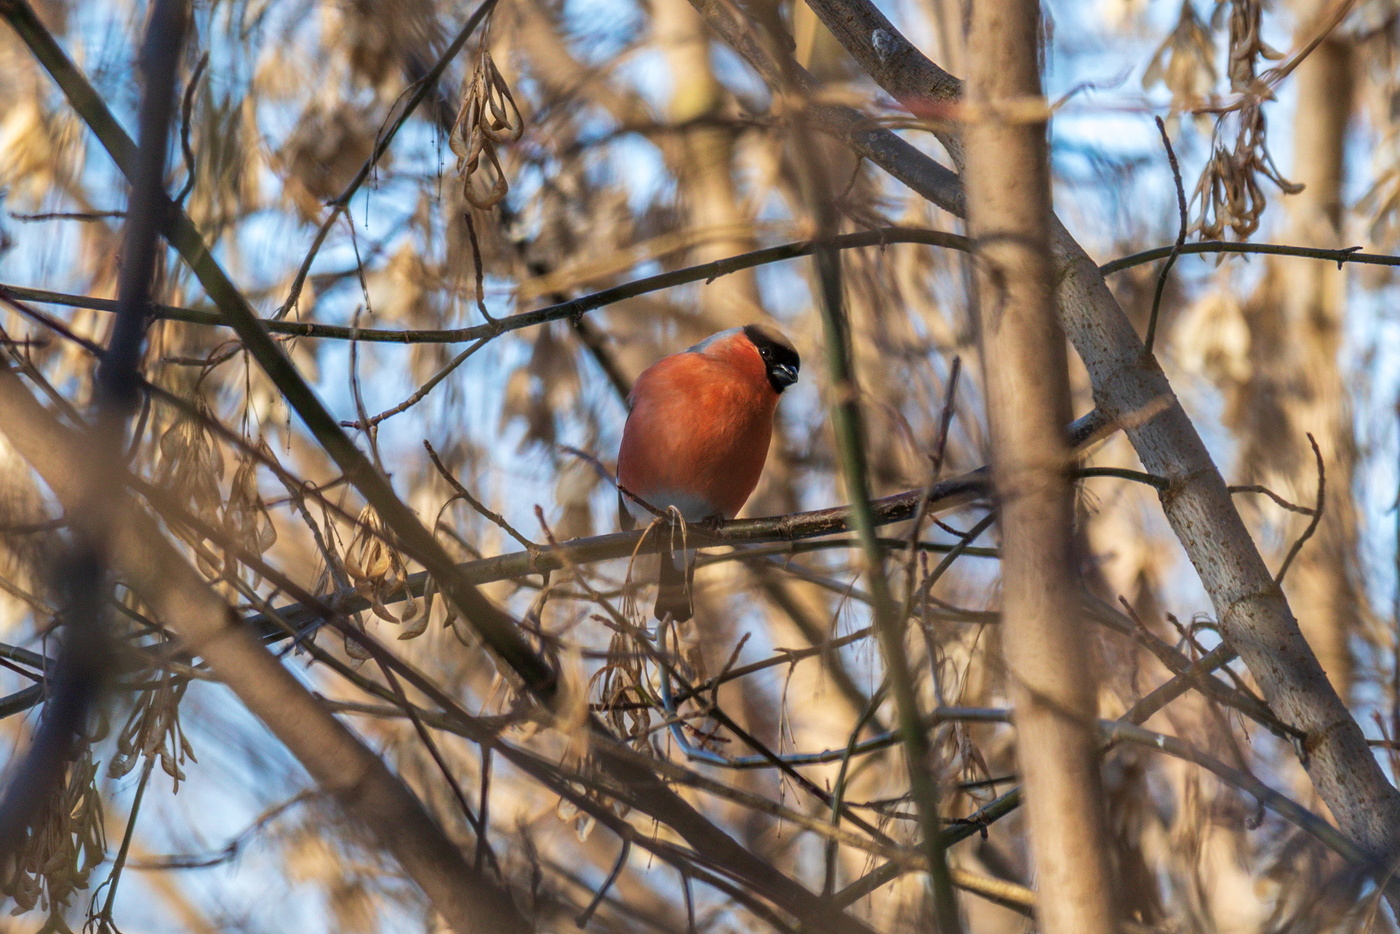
point(246, 518)
point(63, 845)
point(1228, 191)
point(378, 572)
point(1185, 62)
point(488, 116)
point(191, 463)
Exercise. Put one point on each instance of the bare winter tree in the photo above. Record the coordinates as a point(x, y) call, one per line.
point(319, 322)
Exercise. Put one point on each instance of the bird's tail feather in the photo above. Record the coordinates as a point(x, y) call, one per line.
point(673, 590)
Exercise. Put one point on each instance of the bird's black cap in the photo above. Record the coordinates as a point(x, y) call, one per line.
point(780, 359)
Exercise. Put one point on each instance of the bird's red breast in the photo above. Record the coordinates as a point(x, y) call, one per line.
point(699, 429)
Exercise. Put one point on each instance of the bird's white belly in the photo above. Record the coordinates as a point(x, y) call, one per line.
point(693, 508)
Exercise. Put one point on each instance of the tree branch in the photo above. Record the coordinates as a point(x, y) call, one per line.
point(498, 630)
point(574, 308)
point(1129, 385)
point(334, 757)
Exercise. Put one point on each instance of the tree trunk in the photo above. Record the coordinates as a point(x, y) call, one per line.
point(704, 167)
point(1296, 335)
point(1025, 368)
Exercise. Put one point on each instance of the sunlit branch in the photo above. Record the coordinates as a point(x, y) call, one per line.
point(690, 274)
point(574, 308)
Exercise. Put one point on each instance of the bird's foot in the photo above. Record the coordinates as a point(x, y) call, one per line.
point(710, 524)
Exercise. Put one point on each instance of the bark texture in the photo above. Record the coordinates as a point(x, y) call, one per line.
point(1024, 360)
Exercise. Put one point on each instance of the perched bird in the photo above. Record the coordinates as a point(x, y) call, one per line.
point(697, 435)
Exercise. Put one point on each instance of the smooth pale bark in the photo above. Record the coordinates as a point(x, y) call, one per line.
point(1295, 358)
point(704, 167)
point(345, 768)
point(1052, 686)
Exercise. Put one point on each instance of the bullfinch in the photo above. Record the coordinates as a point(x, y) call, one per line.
point(697, 434)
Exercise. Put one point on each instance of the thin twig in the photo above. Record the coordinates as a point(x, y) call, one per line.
point(558, 311)
point(1279, 500)
point(119, 864)
point(1316, 512)
point(1341, 256)
point(186, 110)
point(494, 517)
point(587, 915)
point(1124, 473)
point(1183, 224)
point(341, 203)
point(935, 471)
point(421, 392)
point(477, 824)
point(69, 216)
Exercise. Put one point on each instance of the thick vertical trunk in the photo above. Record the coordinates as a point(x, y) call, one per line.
point(705, 167)
point(1312, 295)
point(1025, 369)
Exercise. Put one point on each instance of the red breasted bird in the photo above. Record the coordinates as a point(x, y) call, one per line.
point(697, 436)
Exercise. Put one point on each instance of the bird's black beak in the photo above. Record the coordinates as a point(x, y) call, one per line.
point(783, 375)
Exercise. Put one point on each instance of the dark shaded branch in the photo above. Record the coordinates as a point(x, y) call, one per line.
point(572, 309)
point(1339, 256)
point(80, 672)
point(334, 757)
